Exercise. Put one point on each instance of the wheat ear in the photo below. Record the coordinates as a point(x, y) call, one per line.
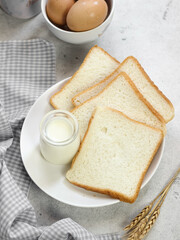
point(143, 222)
point(147, 209)
point(144, 226)
point(150, 224)
point(134, 233)
point(137, 219)
point(141, 215)
point(154, 216)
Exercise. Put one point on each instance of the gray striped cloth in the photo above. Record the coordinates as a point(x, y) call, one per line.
point(27, 69)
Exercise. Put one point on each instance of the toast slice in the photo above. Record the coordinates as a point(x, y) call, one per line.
point(95, 89)
point(120, 94)
point(97, 65)
point(144, 84)
point(114, 155)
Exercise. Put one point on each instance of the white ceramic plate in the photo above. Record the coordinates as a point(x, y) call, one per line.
point(51, 178)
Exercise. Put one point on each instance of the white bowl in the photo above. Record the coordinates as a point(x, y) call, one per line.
point(79, 37)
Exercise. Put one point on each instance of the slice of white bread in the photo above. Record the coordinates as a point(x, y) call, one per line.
point(120, 94)
point(147, 88)
point(95, 89)
point(115, 155)
point(144, 84)
point(97, 65)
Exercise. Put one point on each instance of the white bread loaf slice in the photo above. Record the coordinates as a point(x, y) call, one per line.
point(114, 155)
point(148, 89)
point(144, 84)
point(96, 66)
point(120, 94)
point(95, 89)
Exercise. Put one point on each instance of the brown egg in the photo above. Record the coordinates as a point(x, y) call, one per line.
point(86, 14)
point(57, 10)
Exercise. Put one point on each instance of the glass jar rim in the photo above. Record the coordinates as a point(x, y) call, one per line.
point(50, 115)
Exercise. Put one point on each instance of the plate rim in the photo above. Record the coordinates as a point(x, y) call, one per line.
point(114, 201)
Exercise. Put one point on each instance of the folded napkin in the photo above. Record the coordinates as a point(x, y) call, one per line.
point(27, 69)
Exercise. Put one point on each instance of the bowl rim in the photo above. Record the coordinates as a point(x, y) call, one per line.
point(43, 10)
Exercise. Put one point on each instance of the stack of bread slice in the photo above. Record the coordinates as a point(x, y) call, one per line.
point(133, 115)
point(143, 83)
point(122, 95)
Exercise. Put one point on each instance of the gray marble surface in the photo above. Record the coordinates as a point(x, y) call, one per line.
point(150, 31)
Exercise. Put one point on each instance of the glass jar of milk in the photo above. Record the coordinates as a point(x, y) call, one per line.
point(59, 136)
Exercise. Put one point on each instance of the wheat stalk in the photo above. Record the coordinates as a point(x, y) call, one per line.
point(137, 219)
point(144, 226)
point(134, 233)
point(138, 229)
point(154, 216)
point(143, 222)
point(142, 217)
point(147, 209)
point(150, 224)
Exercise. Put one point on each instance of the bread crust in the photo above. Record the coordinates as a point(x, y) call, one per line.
point(147, 78)
point(152, 84)
point(114, 194)
point(139, 95)
point(83, 63)
point(143, 99)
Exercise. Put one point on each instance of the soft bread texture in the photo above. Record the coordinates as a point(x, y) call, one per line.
point(114, 155)
point(97, 65)
point(120, 94)
point(95, 89)
point(144, 84)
